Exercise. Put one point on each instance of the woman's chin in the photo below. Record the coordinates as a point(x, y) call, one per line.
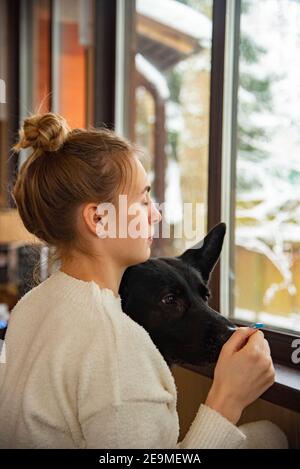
point(144, 256)
point(147, 254)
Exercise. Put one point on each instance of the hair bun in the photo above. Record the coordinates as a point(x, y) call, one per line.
point(46, 132)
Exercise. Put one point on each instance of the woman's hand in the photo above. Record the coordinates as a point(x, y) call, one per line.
point(243, 372)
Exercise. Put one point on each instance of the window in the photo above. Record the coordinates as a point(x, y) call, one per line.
point(267, 190)
point(72, 57)
point(168, 96)
point(56, 60)
point(35, 56)
point(224, 177)
point(34, 60)
point(46, 63)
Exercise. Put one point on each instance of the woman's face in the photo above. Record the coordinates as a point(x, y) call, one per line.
point(135, 217)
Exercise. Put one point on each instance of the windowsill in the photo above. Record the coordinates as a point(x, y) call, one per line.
point(285, 392)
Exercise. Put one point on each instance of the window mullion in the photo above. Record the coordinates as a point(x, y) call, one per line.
point(229, 153)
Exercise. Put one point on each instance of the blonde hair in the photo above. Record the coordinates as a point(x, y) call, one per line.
point(65, 169)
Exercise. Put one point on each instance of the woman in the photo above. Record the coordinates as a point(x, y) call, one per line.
point(80, 373)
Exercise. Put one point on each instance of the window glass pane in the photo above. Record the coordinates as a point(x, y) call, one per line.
point(171, 118)
point(73, 46)
point(41, 56)
point(35, 60)
point(267, 234)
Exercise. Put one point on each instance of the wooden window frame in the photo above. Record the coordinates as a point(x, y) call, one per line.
point(13, 91)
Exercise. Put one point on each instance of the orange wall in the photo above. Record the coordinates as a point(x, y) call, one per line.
point(72, 77)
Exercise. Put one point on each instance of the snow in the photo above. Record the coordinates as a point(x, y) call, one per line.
point(179, 17)
point(174, 119)
point(196, 63)
point(152, 74)
point(275, 219)
point(275, 25)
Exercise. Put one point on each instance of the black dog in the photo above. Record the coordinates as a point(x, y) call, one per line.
point(168, 297)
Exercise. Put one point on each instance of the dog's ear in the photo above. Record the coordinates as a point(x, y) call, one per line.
point(205, 254)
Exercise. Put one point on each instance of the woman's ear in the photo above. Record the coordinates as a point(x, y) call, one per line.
point(90, 217)
point(97, 218)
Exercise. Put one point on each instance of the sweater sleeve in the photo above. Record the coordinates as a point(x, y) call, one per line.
point(210, 430)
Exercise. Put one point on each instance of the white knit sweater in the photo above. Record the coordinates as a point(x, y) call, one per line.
point(80, 373)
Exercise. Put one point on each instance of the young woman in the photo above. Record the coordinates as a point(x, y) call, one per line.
point(78, 372)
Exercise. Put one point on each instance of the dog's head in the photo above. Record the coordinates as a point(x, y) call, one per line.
point(168, 297)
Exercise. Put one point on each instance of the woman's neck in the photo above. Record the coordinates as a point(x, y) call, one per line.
point(105, 274)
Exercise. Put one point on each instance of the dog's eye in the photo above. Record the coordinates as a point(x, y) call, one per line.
point(169, 299)
point(206, 296)
point(204, 293)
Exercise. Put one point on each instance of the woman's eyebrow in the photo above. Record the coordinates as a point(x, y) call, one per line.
point(147, 188)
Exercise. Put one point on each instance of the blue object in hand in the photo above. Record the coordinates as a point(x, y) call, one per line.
point(257, 325)
point(3, 324)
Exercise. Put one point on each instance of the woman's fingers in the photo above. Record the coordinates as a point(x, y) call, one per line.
point(238, 339)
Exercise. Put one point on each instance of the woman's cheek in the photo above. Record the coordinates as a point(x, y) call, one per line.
point(138, 222)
